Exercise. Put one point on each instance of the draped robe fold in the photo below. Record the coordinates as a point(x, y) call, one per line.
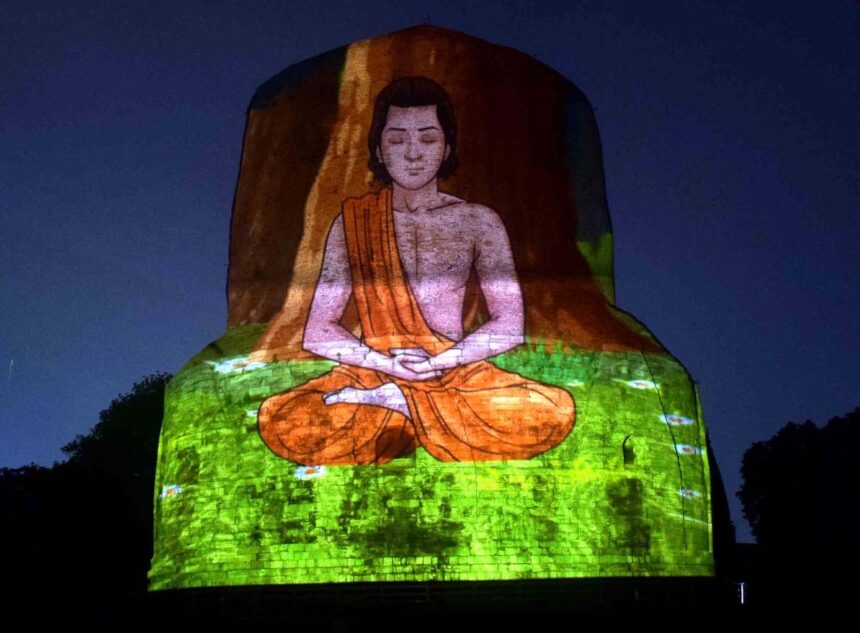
point(474, 412)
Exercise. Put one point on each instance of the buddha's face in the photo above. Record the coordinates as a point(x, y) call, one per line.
point(412, 146)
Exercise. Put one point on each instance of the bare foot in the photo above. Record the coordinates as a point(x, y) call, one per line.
point(387, 395)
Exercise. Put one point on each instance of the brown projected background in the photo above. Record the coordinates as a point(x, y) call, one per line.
point(528, 148)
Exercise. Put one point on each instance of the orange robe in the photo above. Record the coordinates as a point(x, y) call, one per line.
point(474, 412)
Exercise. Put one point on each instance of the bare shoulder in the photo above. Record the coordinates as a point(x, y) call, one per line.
point(485, 221)
point(480, 216)
point(335, 241)
point(449, 203)
point(336, 229)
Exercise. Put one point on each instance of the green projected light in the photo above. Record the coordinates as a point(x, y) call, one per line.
point(626, 494)
point(423, 382)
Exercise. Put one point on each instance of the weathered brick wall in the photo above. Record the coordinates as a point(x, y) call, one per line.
point(627, 493)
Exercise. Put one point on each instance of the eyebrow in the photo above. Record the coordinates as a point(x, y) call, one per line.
point(403, 129)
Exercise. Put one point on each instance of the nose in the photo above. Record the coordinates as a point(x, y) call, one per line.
point(413, 150)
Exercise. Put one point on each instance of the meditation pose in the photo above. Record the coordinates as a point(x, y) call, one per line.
point(413, 378)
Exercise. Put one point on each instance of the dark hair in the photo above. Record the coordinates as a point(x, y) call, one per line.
point(405, 92)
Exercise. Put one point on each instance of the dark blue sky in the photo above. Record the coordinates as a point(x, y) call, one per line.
point(730, 141)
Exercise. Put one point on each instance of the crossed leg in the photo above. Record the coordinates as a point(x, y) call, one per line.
point(324, 420)
point(480, 413)
point(387, 395)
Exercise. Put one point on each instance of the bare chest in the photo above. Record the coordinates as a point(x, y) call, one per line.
point(435, 250)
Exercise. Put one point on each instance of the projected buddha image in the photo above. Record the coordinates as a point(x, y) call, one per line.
point(414, 376)
point(424, 375)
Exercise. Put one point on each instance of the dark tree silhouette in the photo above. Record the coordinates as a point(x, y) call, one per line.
point(724, 529)
point(800, 497)
point(81, 531)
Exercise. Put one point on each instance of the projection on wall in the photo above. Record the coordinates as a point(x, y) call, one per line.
point(424, 375)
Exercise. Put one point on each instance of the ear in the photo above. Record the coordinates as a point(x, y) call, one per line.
point(379, 155)
point(447, 151)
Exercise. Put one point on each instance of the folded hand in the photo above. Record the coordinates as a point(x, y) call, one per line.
point(412, 363)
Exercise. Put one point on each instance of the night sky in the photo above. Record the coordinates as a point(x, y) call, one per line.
point(730, 141)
